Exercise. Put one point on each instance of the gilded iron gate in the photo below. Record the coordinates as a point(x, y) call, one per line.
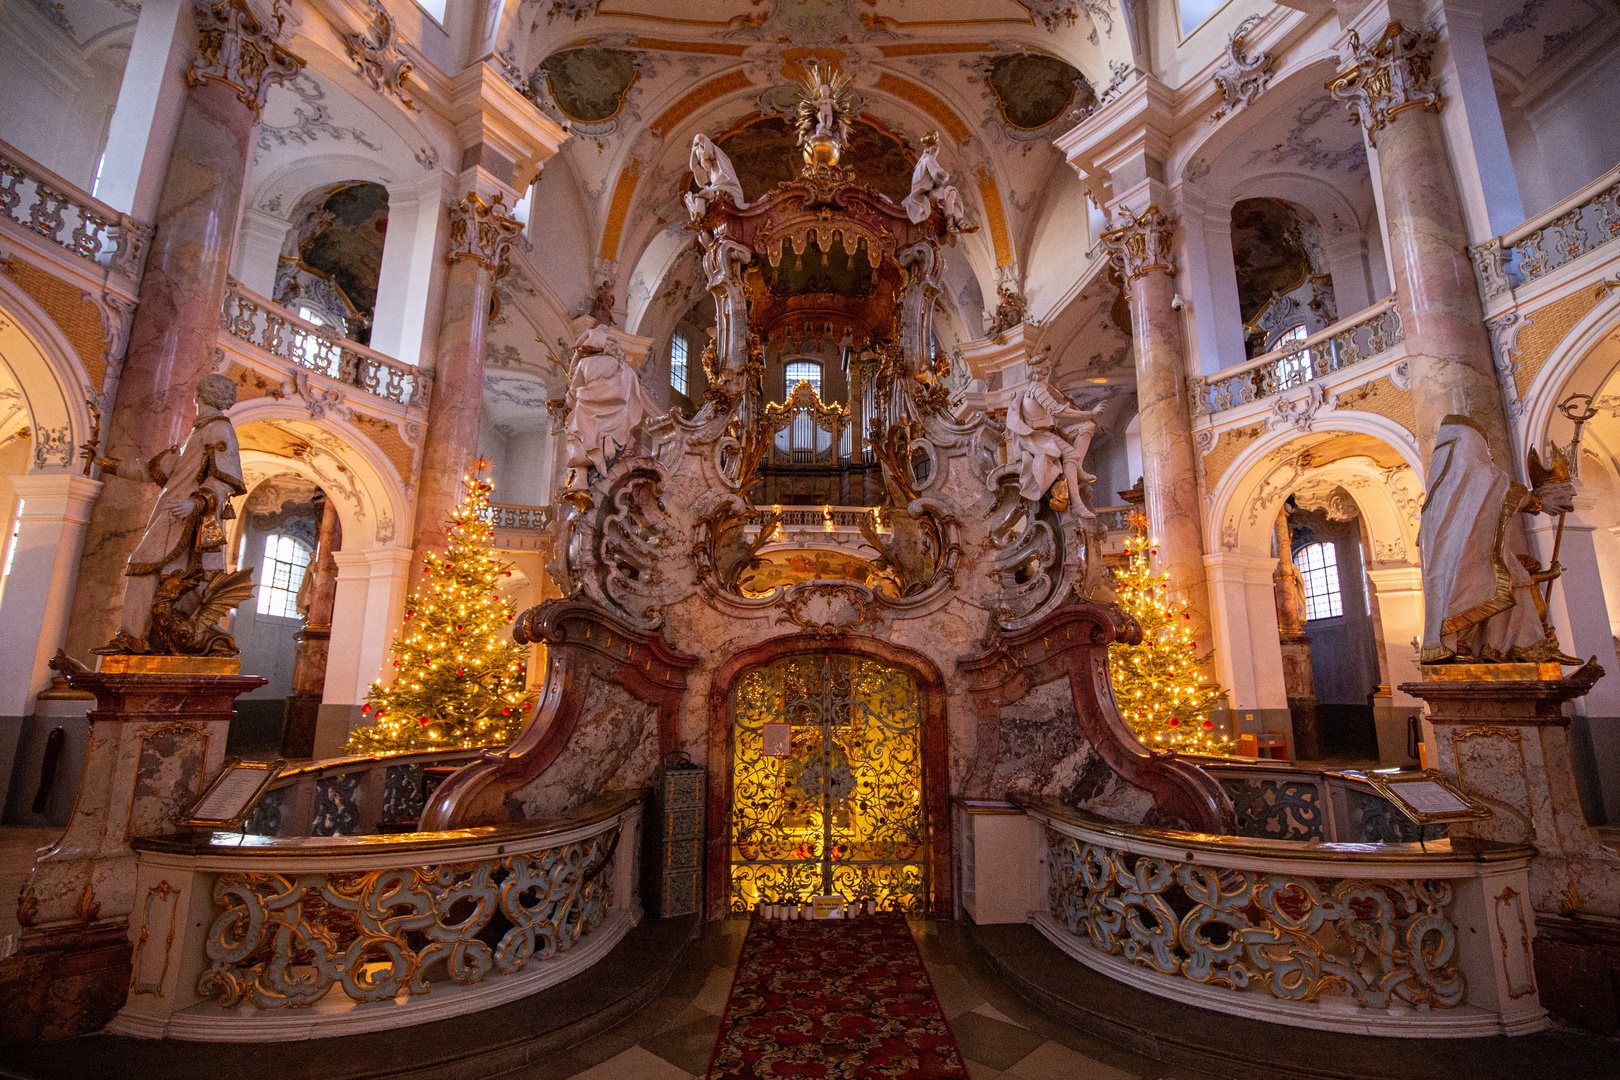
point(841, 812)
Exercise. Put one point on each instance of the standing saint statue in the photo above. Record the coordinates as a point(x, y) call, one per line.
point(930, 183)
point(178, 588)
point(605, 403)
point(1482, 601)
point(714, 174)
point(1042, 445)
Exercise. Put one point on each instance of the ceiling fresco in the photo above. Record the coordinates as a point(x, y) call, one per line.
point(1032, 90)
point(589, 85)
point(1269, 250)
point(346, 242)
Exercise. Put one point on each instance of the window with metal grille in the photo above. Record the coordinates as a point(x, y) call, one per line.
point(677, 363)
point(1319, 566)
point(804, 371)
point(280, 575)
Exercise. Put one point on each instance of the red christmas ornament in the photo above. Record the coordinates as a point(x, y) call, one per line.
point(365, 708)
point(422, 720)
point(506, 711)
point(1153, 551)
point(1175, 722)
point(1209, 725)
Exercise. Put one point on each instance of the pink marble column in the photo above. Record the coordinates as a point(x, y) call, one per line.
point(1389, 84)
point(481, 235)
point(176, 325)
point(1141, 250)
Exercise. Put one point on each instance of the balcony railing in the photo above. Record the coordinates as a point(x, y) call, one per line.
point(513, 516)
point(271, 327)
point(1581, 223)
point(48, 206)
point(1334, 348)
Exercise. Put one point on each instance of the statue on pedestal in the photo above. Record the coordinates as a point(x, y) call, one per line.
point(1482, 597)
point(605, 402)
point(178, 589)
point(1043, 447)
point(715, 176)
point(930, 183)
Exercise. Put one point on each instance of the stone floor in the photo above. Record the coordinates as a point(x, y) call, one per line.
point(674, 1036)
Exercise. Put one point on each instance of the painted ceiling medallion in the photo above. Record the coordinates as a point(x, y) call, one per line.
point(1031, 90)
point(589, 85)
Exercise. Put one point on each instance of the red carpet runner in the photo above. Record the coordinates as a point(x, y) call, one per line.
point(834, 1000)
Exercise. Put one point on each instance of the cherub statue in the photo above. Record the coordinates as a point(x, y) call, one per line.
point(824, 112)
point(826, 108)
point(178, 589)
point(1043, 449)
point(931, 183)
point(714, 174)
point(605, 403)
point(1482, 599)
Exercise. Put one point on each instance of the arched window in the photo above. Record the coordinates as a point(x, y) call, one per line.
point(677, 363)
point(281, 575)
point(804, 371)
point(1319, 566)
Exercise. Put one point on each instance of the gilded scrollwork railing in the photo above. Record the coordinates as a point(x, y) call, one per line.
point(1376, 938)
point(1362, 336)
point(48, 206)
point(259, 322)
point(281, 939)
point(1295, 937)
point(308, 937)
point(1581, 223)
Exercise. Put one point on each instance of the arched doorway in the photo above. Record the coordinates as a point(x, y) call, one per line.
point(877, 752)
point(827, 784)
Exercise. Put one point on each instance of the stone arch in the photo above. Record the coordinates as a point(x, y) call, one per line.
point(1577, 363)
point(936, 776)
point(372, 503)
point(48, 377)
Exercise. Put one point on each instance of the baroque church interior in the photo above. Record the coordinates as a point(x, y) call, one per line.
point(838, 538)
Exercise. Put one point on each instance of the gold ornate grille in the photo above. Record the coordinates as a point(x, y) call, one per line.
point(842, 811)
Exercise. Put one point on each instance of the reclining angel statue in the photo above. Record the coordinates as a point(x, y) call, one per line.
point(1048, 436)
point(930, 183)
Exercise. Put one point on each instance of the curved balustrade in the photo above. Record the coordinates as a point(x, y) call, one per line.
point(1387, 940)
point(515, 516)
point(271, 327)
point(241, 938)
point(48, 206)
point(1334, 348)
point(1556, 237)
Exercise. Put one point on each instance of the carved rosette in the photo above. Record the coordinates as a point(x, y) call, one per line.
point(1142, 244)
point(235, 48)
point(1395, 72)
point(481, 231)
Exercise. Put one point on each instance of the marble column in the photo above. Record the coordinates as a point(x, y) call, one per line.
point(1140, 246)
point(481, 237)
point(1389, 83)
point(173, 334)
point(313, 641)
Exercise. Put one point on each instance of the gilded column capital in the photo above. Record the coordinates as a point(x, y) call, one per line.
point(1140, 243)
point(482, 231)
point(1395, 72)
point(235, 48)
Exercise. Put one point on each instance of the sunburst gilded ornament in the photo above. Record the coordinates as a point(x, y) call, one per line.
point(823, 118)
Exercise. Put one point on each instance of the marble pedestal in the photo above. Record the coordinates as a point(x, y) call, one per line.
point(1506, 743)
point(155, 737)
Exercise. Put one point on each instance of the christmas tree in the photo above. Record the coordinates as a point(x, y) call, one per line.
point(1159, 683)
point(459, 677)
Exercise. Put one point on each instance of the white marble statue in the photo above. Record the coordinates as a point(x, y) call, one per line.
point(1481, 597)
point(714, 174)
point(1048, 436)
point(826, 107)
point(605, 403)
point(183, 549)
point(930, 183)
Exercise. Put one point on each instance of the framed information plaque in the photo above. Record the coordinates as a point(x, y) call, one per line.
point(226, 803)
point(1427, 797)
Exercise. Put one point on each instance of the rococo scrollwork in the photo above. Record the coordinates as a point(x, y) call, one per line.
point(281, 940)
point(235, 48)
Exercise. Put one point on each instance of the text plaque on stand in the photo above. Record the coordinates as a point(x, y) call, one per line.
point(1427, 797)
point(230, 798)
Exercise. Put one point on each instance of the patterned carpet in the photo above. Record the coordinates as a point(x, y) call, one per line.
point(833, 1000)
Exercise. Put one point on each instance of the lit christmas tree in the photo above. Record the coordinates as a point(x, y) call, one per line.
point(459, 678)
point(1159, 683)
